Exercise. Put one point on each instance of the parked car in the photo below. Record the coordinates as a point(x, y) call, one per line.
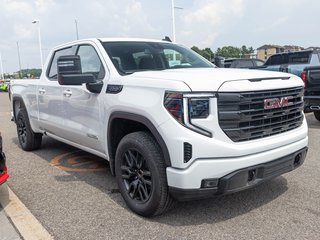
point(292, 62)
point(3, 169)
point(242, 63)
point(311, 78)
point(4, 86)
point(237, 62)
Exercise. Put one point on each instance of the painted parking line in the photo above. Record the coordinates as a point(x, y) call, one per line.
point(79, 161)
point(27, 225)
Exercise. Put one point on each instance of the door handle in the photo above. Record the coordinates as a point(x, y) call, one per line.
point(42, 91)
point(67, 93)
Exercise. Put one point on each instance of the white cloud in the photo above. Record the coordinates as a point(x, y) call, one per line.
point(208, 18)
point(15, 8)
point(43, 6)
point(22, 31)
point(273, 25)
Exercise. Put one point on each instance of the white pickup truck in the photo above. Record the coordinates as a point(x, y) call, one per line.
point(171, 124)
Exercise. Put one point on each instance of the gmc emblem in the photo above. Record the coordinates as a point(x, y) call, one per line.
point(277, 102)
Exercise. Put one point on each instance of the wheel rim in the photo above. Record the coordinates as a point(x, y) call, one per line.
point(22, 130)
point(136, 176)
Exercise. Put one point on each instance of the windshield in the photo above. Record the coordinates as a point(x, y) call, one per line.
point(129, 57)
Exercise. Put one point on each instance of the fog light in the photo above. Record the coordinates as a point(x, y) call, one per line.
point(210, 183)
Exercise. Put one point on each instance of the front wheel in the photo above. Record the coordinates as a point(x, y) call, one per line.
point(28, 140)
point(141, 175)
point(317, 115)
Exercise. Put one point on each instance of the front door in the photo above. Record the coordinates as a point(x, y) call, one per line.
point(82, 120)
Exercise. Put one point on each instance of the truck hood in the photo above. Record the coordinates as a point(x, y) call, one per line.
point(212, 79)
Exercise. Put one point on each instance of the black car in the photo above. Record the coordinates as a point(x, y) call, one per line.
point(238, 62)
point(3, 169)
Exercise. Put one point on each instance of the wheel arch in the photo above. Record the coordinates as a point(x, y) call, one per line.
point(140, 123)
point(17, 103)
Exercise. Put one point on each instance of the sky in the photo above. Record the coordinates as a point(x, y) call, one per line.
point(202, 23)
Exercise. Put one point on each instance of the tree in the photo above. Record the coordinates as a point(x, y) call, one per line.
point(228, 52)
point(234, 52)
point(206, 53)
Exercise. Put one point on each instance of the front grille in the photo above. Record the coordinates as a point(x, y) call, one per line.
point(243, 117)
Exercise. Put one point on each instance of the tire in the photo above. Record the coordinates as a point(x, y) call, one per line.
point(28, 140)
point(141, 175)
point(317, 115)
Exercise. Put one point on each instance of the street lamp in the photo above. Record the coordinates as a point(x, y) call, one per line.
point(1, 65)
point(77, 33)
point(20, 72)
point(39, 36)
point(173, 7)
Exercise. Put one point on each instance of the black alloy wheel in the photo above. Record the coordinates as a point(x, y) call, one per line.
point(136, 176)
point(22, 130)
point(28, 139)
point(141, 174)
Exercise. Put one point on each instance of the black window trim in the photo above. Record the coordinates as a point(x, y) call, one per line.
point(51, 60)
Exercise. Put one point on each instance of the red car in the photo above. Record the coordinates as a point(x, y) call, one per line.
point(3, 169)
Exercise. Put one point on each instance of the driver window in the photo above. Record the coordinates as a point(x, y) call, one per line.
point(90, 61)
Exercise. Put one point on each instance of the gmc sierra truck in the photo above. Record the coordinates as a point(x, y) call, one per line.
point(171, 124)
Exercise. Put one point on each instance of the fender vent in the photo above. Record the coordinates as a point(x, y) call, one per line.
point(187, 148)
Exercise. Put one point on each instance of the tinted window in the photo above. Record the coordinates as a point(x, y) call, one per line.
point(277, 59)
point(53, 67)
point(90, 61)
point(129, 57)
point(227, 63)
point(244, 64)
point(259, 63)
point(299, 57)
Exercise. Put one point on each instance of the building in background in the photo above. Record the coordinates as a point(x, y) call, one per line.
point(265, 51)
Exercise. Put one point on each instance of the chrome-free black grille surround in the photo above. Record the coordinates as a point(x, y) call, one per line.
point(242, 115)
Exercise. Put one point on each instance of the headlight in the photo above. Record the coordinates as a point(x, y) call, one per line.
point(173, 102)
point(198, 108)
point(186, 106)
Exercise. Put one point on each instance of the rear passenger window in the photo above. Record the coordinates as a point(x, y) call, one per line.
point(53, 70)
point(301, 57)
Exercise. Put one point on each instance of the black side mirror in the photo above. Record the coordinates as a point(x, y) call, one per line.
point(70, 71)
point(219, 62)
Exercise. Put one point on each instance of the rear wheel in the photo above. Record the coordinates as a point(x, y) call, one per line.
point(28, 140)
point(317, 115)
point(141, 175)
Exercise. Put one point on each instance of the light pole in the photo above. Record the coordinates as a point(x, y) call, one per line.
point(76, 23)
point(20, 72)
point(1, 65)
point(173, 7)
point(39, 36)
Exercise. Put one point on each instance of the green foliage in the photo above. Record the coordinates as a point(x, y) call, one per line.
point(206, 53)
point(25, 73)
point(229, 52)
point(226, 52)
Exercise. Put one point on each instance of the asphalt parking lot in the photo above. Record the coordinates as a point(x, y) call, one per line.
point(74, 196)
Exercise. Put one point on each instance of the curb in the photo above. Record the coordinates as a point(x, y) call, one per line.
point(23, 220)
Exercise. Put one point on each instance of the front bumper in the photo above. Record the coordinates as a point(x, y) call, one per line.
point(241, 179)
point(311, 103)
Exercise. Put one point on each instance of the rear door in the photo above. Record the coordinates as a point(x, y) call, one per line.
point(50, 101)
